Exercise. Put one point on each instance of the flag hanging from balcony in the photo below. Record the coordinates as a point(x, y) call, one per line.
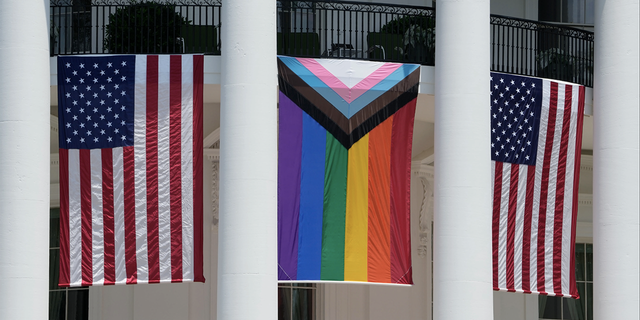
point(536, 137)
point(345, 136)
point(130, 135)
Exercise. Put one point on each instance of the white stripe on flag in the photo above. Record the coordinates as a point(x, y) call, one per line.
point(504, 213)
point(535, 214)
point(518, 240)
point(140, 169)
point(551, 193)
point(97, 227)
point(164, 183)
point(118, 219)
point(568, 191)
point(75, 220)
point(187, 167)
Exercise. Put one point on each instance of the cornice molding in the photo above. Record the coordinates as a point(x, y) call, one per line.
point(54, 159)
point(53, 124)
point(585, 199)
point(586, 162)
point(212, 154)
point(422, 170)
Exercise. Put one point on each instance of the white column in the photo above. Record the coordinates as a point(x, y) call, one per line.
point(247, 256)
point(615, 161)
point(24, 159)
point(462, 218)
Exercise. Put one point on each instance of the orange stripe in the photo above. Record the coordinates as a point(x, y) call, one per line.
point(379, 257)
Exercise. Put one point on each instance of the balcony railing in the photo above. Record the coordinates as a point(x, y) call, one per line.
point(541, 49)
point(355, 30)
point(120, 26)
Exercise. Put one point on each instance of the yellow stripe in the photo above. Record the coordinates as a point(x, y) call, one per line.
point(356, 222)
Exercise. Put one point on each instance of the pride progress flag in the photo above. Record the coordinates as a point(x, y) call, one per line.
point(344, 170)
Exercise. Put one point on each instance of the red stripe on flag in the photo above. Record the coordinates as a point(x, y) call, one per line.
point(497, 197)
point(576, 182)
point(542, 219)
point(198, 80)
point(175, 163)
point(152, 169)
point(526, 234)
point(108, 217)
point(559, 207)
point(85, 207)
point(400, 174)
point(64, 218)
point(511, 225)
point(129, 215)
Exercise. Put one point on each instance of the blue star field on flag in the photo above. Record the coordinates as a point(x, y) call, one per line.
point(97, 102)
point(515, 117)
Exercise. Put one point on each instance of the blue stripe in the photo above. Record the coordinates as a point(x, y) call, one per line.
point(311, 199)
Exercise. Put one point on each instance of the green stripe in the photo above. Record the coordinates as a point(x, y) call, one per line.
point(335, 202)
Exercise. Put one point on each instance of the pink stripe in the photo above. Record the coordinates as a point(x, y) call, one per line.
point(542, 218)
point(108, 217)
point(198, 80)
point(348, 94)
point(559, 208)
point(153, 250)
point(85, 207)
point(64, 218)
point(175, 158)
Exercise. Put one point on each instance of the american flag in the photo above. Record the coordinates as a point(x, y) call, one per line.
point(536, 137)
point(130, 137)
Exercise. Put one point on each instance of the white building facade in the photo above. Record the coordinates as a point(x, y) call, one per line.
point(452, 275)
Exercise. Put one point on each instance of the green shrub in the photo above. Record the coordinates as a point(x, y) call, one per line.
point(418, 38)
point(554, 63)
point(401, 25)
point(145, 27)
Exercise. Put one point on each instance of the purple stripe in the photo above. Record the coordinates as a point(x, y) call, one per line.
point(289, 154)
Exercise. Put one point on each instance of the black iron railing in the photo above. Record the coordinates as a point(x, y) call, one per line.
point(334, 29)
point(541, 49)
point(356, 30)
point(121, 26)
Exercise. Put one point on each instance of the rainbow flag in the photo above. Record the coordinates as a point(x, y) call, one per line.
point(345, 137)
